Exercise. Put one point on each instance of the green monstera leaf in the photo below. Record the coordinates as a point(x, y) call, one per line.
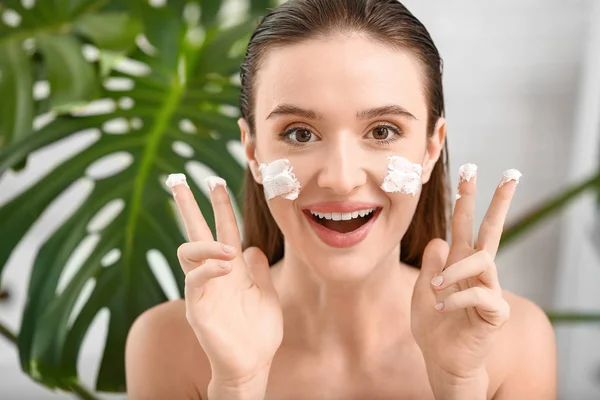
point(43, 41)
point(171, 106)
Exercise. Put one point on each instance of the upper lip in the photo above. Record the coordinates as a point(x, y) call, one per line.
point(340, 206)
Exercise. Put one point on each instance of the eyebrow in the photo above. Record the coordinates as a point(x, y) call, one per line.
point(290, 109)
point(393, 109)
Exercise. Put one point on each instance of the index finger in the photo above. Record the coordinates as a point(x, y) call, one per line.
point(492, 226)
point(195, 225)
point(464, 208)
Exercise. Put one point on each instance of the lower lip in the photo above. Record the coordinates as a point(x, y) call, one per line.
point(338, 239)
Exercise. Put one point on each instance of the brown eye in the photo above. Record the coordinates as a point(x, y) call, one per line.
point(381, 132)
point(302, 135)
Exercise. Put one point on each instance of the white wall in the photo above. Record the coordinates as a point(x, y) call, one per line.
point(579, 262)
point(512, 73)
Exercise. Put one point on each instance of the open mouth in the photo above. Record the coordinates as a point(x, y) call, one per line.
point(343, 222)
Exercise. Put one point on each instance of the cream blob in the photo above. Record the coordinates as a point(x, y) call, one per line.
point(279, 180)
point(213, 181)
point(402, 176)
point(466, 172)
point(510, 175)
point(176, 179)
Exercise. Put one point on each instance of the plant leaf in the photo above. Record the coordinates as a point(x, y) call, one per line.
point(175, 114)
point(16, 81)
point(45, 42)
point(109, 30)
point(72, 79)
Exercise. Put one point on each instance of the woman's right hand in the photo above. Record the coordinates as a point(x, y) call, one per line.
point(231, 303)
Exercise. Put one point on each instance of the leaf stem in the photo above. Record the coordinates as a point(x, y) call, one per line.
point(4, 331)
point(571, 317)
point(548, 208)
point(82, 392)
point(77, 388)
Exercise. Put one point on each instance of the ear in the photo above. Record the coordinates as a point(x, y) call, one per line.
point(435, 144)
point(249, 143)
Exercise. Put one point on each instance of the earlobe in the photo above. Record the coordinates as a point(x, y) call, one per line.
point(249, 143)
point(435, 145)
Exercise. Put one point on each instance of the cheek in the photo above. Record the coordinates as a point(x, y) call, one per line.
point(286, 215)
point(401, 213)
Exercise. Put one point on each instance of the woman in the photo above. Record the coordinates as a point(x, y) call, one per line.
point(346, 288)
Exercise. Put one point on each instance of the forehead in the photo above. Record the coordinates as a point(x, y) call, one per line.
point(339, 73)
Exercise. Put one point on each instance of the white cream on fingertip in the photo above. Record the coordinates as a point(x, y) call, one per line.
point(176, 179)
point(279, 180)
point(213, 181)
point(467, 171)
point(510, 175)
point(402, 176)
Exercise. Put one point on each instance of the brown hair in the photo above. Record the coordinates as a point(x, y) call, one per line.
point(389, 23)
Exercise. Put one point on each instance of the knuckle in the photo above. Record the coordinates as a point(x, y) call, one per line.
point(189, 316)
point(189, 278)
point(490, 222)
point(181, 250)
point(487, 258)
point(505, 310)
point(480, 294)
point(462, 217)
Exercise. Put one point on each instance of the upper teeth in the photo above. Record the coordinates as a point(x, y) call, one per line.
point(343, 216)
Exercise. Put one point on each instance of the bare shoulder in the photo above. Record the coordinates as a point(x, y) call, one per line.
point(528, 349)
point(163, 358)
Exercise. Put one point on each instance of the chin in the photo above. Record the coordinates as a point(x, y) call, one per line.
point(342, 268)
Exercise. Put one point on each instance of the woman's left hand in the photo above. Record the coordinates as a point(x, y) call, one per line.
point(458, 307)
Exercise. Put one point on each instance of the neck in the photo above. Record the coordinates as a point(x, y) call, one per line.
point(356, 318)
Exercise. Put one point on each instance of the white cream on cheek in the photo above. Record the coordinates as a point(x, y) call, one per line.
point(279, 180)
point(402, 176)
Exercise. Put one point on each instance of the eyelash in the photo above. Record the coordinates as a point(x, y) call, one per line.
point(285, 135)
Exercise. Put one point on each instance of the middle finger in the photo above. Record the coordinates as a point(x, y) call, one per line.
point(225, 222)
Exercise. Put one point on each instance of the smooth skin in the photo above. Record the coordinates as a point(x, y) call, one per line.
point(247, 329)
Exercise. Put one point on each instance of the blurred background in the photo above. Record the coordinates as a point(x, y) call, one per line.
point(83, 207)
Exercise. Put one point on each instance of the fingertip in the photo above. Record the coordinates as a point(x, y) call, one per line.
point(214, 181)
point(437, 282)
point(173, 180)
point(467, 172)
point(434, 257)
point(510, 175)
point(438, 247)
point(254, 255)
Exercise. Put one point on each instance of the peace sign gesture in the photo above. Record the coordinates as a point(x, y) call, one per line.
point(458, 306)
point(231, 303)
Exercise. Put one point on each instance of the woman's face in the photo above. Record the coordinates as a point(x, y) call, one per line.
point(336, 109)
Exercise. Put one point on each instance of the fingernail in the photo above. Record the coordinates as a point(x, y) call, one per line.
point(223, 264)
point(439, 306)
point(214, 181)
point(228, 249)
point(176, 179)
point(437, 281)
point(467, 171)
point(510, 175)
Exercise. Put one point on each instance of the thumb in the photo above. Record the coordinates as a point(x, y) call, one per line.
point(258, 268)
point(434, 259)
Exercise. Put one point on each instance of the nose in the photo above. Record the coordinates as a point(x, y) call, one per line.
point(342, 169)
